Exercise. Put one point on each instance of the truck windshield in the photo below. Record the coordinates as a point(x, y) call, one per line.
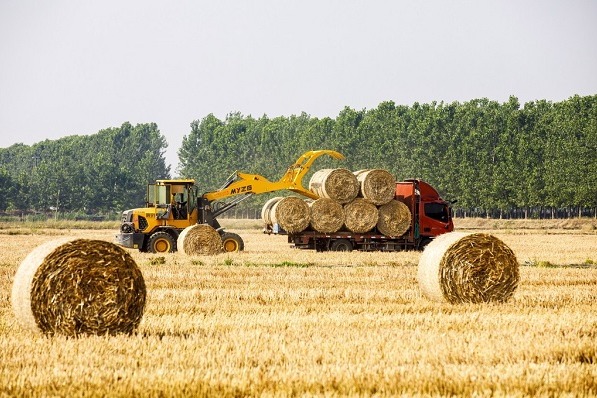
point(437, 211)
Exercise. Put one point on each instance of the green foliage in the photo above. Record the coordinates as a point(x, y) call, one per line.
point(101, 173)
point(492, 157)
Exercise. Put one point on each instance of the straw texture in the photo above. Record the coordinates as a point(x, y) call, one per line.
point(460, 267)
point(327, 215)
point(291, 213)
point(394, 218)
point(337, 184)
point(376, 185)
point(360, 215)
point(79, 287)
point(199, 239)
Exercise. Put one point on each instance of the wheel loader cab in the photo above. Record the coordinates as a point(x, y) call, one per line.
point(174, 200)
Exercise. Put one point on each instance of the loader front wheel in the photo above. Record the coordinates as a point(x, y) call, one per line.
point(232, 242)
point(161, 242)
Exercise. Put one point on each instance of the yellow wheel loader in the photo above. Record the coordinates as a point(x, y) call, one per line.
point(173, 205)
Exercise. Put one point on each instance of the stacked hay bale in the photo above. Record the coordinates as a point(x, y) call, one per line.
point(266, 213)
point(357, 202)
point(199, 239)
point(79, 287)
point(326, 215)
point(360, 215)
point(376, 185)
point(394, 218)
point(459, 267)
point(290, 213)
point(340, 185)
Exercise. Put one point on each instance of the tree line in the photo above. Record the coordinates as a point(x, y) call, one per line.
point(495, 159)
point(98, 174)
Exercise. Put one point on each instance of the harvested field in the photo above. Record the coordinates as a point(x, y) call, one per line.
point(279, 321)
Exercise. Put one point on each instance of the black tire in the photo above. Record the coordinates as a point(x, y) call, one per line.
point(423, 243)
point(341, 245)
point(232, 242)
point(161, 242)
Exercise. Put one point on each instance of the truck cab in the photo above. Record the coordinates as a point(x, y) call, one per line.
point(432, 215)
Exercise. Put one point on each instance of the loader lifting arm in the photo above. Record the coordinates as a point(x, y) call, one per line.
point(244, 185)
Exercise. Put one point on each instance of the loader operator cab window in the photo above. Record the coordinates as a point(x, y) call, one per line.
point(437, 211)
point(179, 206)
point(159, 197)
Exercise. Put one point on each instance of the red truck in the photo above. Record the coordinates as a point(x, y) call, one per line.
point(431, 216)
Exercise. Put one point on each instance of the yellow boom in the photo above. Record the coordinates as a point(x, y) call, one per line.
point(243, 183)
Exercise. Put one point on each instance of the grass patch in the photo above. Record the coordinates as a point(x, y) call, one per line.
point(157, 260)
point(292, 264)
point(540, 264)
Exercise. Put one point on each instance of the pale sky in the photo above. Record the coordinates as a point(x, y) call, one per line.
point(76, 67)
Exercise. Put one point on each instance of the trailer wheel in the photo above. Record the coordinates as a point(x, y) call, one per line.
point(232, 242)
point(423, 243)
point(161, 242)
point(341, 245)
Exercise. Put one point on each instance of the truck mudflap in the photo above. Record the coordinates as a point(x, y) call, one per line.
point(130, 240)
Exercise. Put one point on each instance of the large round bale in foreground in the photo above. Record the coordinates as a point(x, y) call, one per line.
point(337, 184)
point(79, 287)
point(327, 215)
point(394, 218)
point(360, 215)
point(460, 267)
point(199, 239)
point(291, 213)
point(377, 185)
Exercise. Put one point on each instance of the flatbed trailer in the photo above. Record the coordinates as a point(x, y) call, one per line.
point(431, 216)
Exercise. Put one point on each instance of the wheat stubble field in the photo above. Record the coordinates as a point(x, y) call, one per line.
point(275, 321)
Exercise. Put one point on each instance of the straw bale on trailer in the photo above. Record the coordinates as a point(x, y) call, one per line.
point(377, 185)
point(199, 239)
point(266, 210)
point(338, 184)
point(394, 218)
point(78, 287)
point(460, 267)
point(326, 216)
point(360, 215)
point(291, 213)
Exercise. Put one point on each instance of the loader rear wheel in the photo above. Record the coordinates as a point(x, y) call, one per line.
point(341, 245)
point(161, 242)
point(232, 242)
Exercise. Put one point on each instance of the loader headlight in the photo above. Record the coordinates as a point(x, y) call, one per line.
point(127, 228)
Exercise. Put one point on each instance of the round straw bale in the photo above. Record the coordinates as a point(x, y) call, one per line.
point(338, 184)
point(199, 239)
point(327, 215)
point(79, 287)
point(377, 185)
point(394, 218)
point(360, 215)
point(266, 209)
point(460, 267)
point(291, 213)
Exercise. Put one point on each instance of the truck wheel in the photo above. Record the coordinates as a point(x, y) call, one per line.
point(341, 245)
point(232, 242)
point(161, 242)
